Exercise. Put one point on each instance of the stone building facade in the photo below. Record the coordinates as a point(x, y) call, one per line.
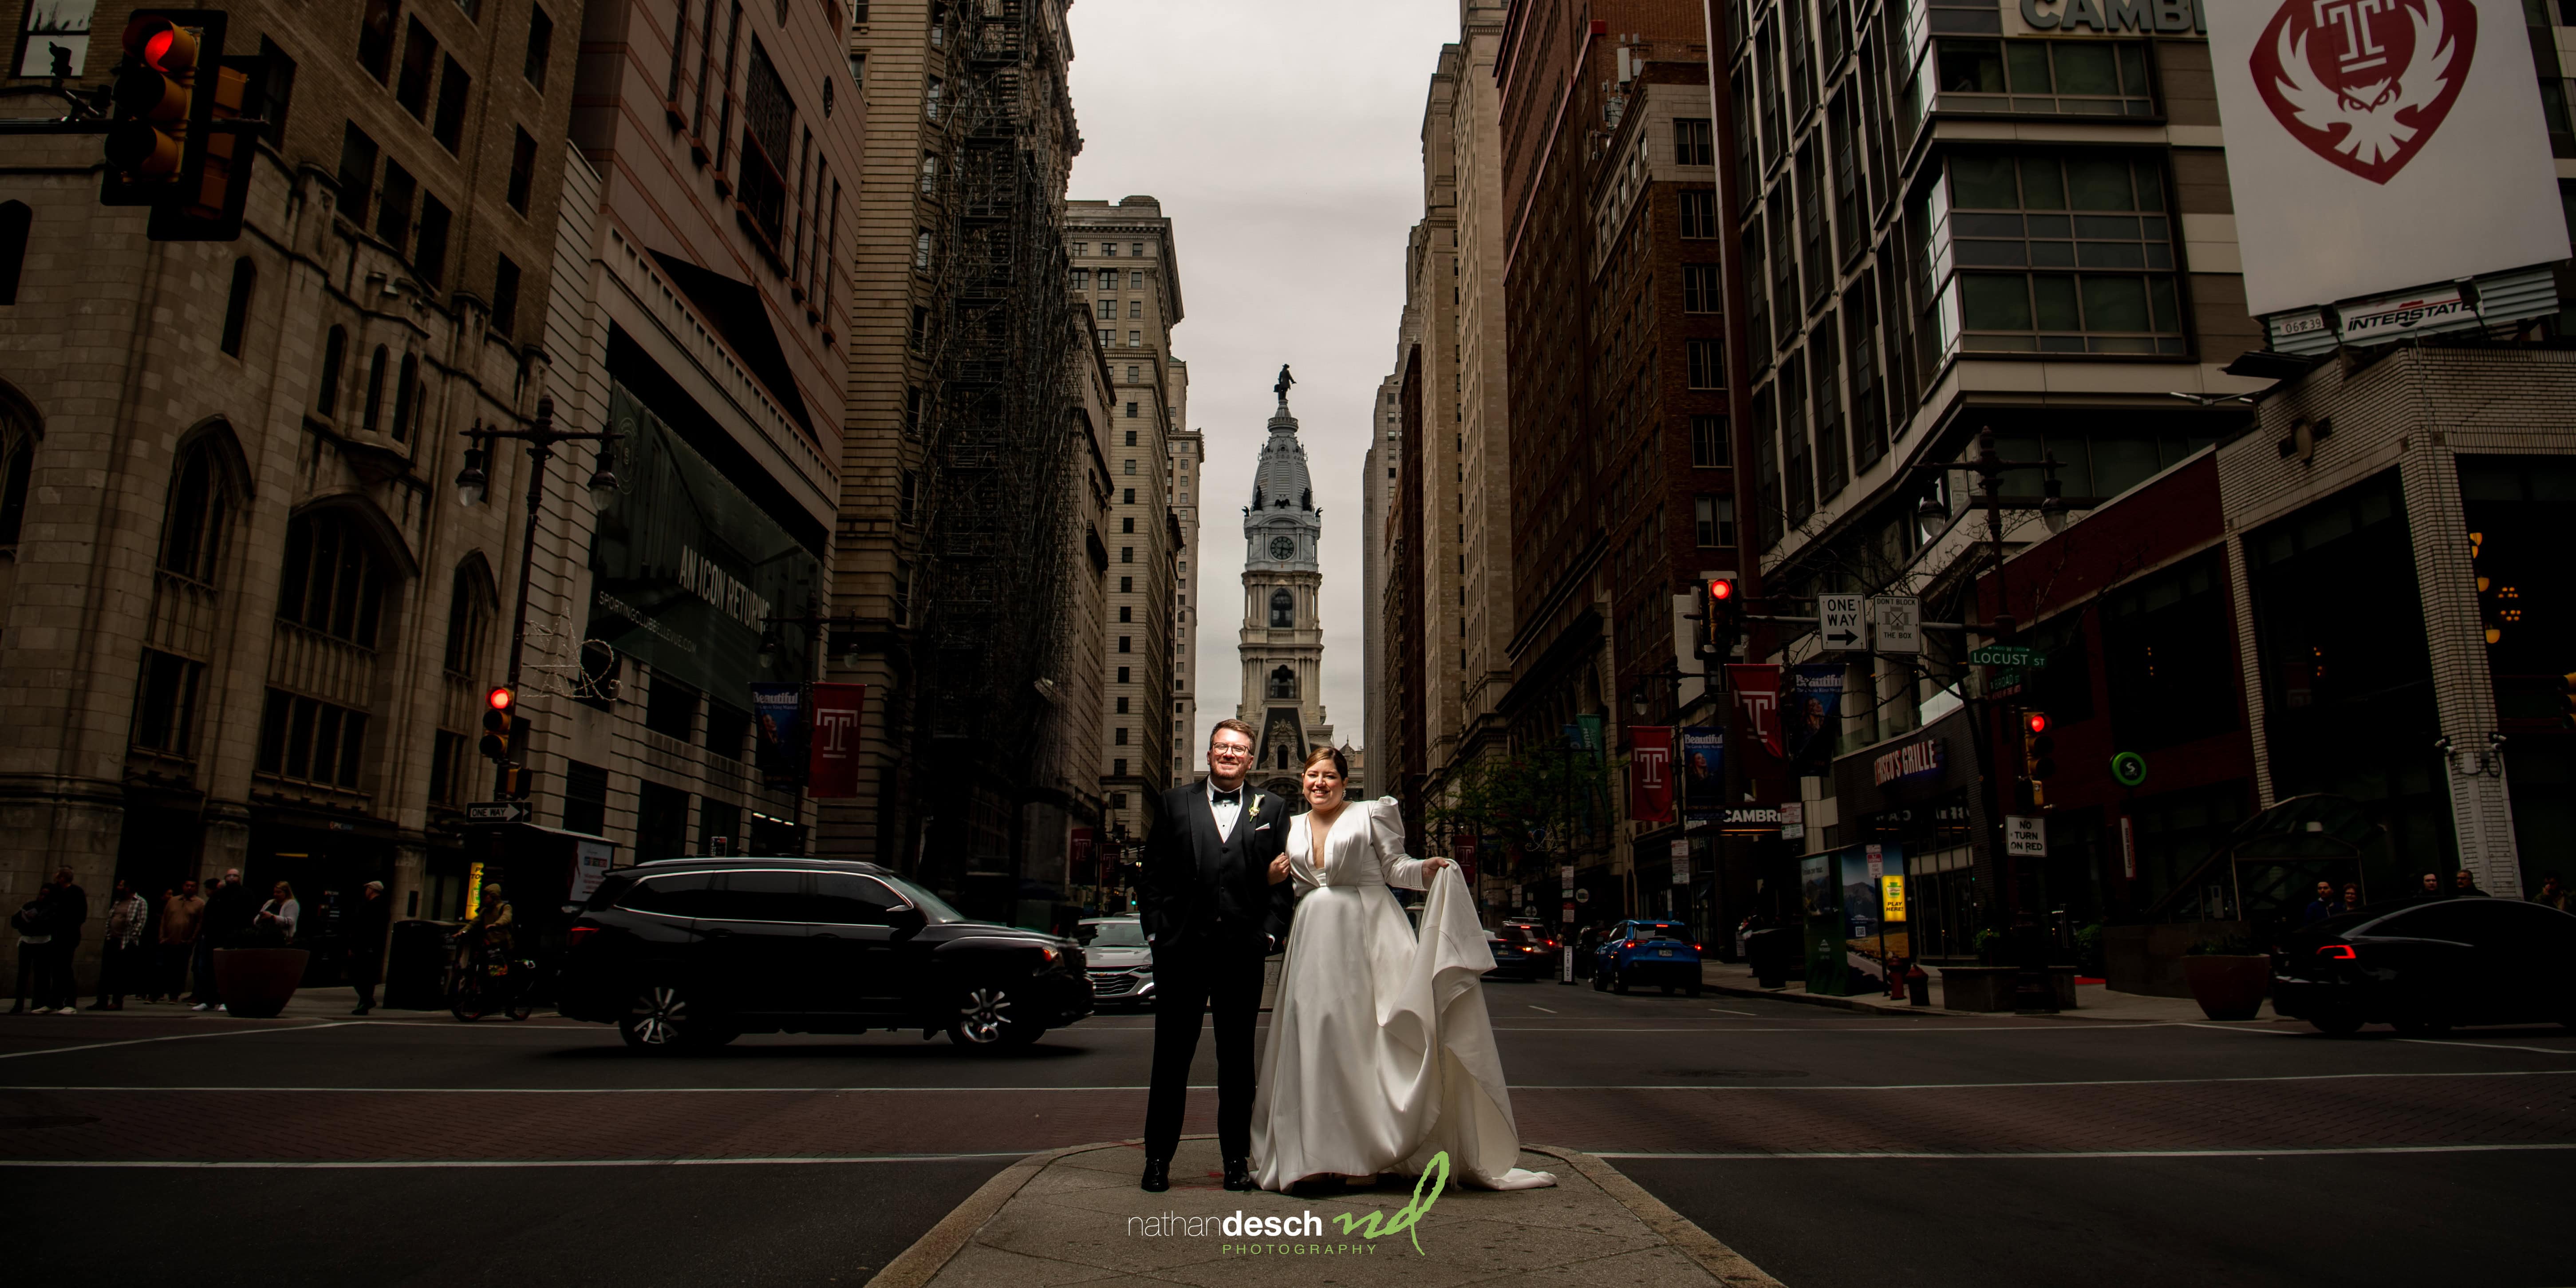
point(246, 624)
point(1126, 266)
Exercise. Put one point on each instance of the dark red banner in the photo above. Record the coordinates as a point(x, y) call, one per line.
point(832, 767)
point(1077, 859)
point(1463, 849)
point(1650, 773)
point(1757, 691)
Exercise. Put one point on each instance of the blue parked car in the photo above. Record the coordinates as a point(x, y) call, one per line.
point(1647, 952)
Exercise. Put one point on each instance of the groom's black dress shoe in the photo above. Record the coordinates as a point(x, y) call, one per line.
point(1238, 1174)
point(1158, 1175)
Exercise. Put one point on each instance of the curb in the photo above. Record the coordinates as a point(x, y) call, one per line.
point(942, 1242)
point(1819, 999)
point(1723, 1263)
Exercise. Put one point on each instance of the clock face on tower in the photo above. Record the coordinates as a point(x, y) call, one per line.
point(1282, 547)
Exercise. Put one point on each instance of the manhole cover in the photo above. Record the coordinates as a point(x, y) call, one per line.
point(1734, 1073)
point(47, 1120)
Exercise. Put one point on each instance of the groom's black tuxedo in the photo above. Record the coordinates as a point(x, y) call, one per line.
point(1211, 912)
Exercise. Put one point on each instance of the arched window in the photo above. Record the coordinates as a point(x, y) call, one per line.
point(334, 582)
point(237, 305)
point(1283, 683)
point(15, 467)
point(406, 397)
point(192, 531)
point(335, 351)
point(470, 606)
point(14, 218)
point(1283, 608)
point(375, 409)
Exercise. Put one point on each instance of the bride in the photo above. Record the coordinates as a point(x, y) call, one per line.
point(1380, 1052)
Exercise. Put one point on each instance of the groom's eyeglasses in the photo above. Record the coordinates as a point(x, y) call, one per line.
point(1228, 753)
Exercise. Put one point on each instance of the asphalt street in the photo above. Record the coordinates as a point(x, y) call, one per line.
point(1830, 1147)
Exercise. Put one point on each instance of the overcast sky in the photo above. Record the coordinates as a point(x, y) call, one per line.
point(1285, 143)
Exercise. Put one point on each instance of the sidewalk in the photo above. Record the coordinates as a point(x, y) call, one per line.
point(1075, 1216)
point(2092, 1001)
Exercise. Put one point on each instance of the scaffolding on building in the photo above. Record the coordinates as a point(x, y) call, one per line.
point(1000, 517)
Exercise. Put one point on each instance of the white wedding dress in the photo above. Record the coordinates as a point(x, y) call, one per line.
point(1381, 1054)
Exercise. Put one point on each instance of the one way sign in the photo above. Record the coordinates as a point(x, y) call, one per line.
point(1838, 623)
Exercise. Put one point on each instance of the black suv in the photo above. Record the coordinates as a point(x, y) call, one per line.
point(696, 952)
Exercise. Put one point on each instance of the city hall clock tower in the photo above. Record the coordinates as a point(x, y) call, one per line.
point(1283, 634)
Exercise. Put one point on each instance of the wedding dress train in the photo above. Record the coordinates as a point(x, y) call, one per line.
point(1381, 1054)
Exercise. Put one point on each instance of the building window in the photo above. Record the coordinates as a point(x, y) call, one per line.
point(1130, 525)
point(375, 37)
point(585, 808)
point(373, 413)
point(192, 530)
point(2098, 220)
point(419, 56)
point(523, 170)
point(1135, 338)
point(2074, 77)
point(1135, 308)
point(311, 741)
point(1702, 288)
point(393, 208)
point(1126, 643)
point(357, 174)
point(505, 296)
point(1126, 554)
point(930, 100)
point(1698, 212)
point(1713, 522)
point(1131, 465)
point(429, 252)
point(1283, 683)
point(1109, 249)
point(1707, 363)
point(335, 353)
point(930, 183)
point(1692, 141)
point(15, 217)
point(1708, 443)
point(768, 143)
point(237, 305)
point(671, 708)
point(406, 396)
point(541, 42)
point(1283, 608)
point(455, 89)
point(333, 582)
point(54, 40)
point(1121, 736)
point(1081, 276)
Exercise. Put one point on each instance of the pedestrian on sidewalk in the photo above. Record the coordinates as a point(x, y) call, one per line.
point(2433, 885)
point(228, 914)
point(2325, 905)
point(365, 938)
point(275, 924)
point(181, 915)
point(35, 951)
point(70, 905)
point(2554, 893)
point(2352, 896)
point(2465, 885)
point(120, 959)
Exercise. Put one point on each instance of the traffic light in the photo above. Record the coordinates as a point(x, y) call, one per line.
point(2038, 753)
point(157, 118)
point(1721, 612)
point(500, 723)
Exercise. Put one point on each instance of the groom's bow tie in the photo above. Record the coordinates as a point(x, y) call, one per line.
point(1234, 797)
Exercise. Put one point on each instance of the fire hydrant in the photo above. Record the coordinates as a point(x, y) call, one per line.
point(1918, 986)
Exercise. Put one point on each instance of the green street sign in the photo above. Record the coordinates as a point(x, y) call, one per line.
point(2006, 655)
point(2128, 769)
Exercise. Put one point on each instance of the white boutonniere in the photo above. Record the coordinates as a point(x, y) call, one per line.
point(1254, 807)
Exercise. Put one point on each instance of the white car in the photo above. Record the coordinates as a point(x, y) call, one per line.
point(1119, 961)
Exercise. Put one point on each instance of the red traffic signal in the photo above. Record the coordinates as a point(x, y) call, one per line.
point(1721, 589)
point(500, 698)
point(500, 724)
point(153, 102)
point(2037, 721)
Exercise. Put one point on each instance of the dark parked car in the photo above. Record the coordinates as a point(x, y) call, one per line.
point(1119, 961)
point(1647, 952)
point(695, 952)
point(2425, 965)
point(1521, 953)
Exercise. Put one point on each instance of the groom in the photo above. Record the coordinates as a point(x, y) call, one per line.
point(1214, 907)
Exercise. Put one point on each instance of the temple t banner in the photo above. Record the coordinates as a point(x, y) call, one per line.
point(2374, 145)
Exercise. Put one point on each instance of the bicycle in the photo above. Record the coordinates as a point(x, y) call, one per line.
point(484, 982)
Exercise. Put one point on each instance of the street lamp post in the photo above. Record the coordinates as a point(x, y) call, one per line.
point(471, 486)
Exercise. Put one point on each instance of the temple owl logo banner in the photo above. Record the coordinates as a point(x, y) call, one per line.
point(2365, 83)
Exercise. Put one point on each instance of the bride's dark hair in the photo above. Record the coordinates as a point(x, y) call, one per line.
point(1341, 766)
